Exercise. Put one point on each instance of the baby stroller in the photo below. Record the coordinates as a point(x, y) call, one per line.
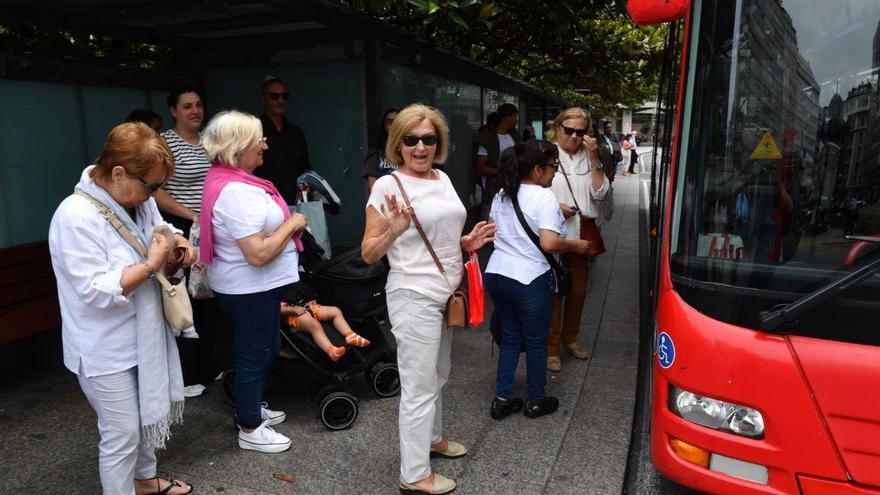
point(358, 290)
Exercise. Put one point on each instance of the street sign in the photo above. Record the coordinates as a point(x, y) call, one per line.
point(766, 149)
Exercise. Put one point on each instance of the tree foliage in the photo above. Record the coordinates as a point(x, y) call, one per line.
point(559, 46)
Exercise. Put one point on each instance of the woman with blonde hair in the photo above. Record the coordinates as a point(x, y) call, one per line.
point(416, 289)
point(578, 184)
point(114, 333)
point(246, 233)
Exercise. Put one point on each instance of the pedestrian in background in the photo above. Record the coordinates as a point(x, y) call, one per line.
point(519, 277)
point(416, 290)
point(579, 164)
point(375, 163)
point(113, 329)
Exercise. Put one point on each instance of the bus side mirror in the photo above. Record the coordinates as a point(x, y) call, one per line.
point(646, 12)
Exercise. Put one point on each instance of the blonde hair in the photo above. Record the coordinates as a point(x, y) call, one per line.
point(135, 147)
point(569, 113)
point(228, 134)
point(406, 120)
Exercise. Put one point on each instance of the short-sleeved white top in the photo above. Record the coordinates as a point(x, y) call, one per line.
point(442, 216)
point(243, 210)
point(515, 255)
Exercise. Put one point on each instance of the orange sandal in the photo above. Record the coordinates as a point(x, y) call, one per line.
point(356, 340)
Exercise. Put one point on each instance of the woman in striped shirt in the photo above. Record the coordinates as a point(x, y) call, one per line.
point(180, 201)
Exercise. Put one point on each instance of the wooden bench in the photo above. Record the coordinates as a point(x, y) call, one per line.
point(28, 297)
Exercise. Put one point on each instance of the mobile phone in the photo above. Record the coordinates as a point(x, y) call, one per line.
point(575, 209)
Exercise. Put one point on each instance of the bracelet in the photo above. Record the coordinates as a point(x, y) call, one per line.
point(152, 273)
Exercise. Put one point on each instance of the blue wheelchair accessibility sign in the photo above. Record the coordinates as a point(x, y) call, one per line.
point(665, 350)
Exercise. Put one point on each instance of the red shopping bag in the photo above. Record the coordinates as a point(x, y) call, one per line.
point(476, 295)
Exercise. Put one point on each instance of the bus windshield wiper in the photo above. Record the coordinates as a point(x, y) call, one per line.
point(786, 313)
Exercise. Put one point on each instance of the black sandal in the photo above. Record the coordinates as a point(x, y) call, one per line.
point(171, 485)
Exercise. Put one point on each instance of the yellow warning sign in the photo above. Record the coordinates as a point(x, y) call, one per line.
point(766, 149)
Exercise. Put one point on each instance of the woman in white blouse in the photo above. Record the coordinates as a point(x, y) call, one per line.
point(247, 239)
point(579, 163)
point(115, 336)
point(416, 290)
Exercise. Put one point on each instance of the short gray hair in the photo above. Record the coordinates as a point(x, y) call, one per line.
point(228, 134)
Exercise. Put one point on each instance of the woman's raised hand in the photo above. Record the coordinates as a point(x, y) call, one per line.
point(158, 251)
point(591, 143)
point(482, 233)
point(397, 214)
point(300, 222)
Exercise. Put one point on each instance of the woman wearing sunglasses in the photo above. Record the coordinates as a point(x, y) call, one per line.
point(519, 277)
point(579, 182)
point(416, 290)
point(114, 333)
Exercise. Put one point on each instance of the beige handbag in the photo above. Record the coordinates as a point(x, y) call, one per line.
point(175, 300)
point(456, 305)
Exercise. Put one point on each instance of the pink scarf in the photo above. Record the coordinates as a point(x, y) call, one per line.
point(218, 177)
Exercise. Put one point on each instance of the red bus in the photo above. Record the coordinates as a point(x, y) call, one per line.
point(766, 300)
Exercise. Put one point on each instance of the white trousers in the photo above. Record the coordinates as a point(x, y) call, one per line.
point(424, 345)
point(121, 455)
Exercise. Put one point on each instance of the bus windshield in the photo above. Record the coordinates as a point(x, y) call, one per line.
point(779, 169)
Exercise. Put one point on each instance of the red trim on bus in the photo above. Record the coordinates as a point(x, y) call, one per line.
point(657, 11)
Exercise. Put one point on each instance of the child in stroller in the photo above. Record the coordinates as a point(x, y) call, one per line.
point(308, 318)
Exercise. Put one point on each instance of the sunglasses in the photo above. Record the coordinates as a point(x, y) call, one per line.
point(571, 130)
point(427, 140)
point(282, 95)
point(150, 187)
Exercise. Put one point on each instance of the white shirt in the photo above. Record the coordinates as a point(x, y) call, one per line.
point(578, 169)
point(442, 216)
point(98, 326)
point(243, 210)
point(515, 255)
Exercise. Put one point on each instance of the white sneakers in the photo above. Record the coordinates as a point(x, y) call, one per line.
point(264, 438)
point(274, 417)
point(193, 390)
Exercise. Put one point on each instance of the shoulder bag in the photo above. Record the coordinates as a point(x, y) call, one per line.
point(175, 300)
point(560, 270)
point(589, 229)
point(456, 306)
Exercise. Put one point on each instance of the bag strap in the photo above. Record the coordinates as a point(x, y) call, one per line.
point(569, 185)
point(126, 235)
point(418, 224)
point(554, 264)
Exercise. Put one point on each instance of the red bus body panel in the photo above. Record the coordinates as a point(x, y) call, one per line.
point(820, 399)
point(657, 11)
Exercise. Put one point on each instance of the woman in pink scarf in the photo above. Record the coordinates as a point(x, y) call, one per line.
point(247, 235)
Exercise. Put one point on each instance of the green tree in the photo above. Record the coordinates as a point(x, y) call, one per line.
point(559, 45)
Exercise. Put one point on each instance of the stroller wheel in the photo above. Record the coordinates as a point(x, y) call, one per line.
point(384, 379)
point(338, 409)
point(227, 385)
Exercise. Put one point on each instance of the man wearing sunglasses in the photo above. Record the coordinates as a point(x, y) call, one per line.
point(288, 154)
point(609, 150)
point(492, 142)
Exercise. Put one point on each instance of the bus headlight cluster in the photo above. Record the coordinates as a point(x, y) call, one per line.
point(716, 414)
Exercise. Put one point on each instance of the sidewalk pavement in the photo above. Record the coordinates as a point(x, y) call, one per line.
point(48, 435)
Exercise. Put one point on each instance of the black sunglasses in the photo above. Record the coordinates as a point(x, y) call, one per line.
point(571, 130)
point(150, 187)
point(276, 95)
point(427, 140)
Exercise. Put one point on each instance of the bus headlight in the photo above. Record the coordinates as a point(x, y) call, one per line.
point(716, 414)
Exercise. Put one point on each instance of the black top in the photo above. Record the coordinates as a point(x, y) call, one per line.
point(286, 158)
point(376, 165)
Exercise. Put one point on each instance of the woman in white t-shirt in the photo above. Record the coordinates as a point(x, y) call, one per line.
point(246, 232)
point(519, 278)
point(416, 290)
point(579, 163)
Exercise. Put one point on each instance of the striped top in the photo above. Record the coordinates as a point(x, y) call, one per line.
point(190, 168)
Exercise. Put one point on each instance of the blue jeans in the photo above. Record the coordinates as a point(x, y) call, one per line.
point(523, 313)
point(256, 324)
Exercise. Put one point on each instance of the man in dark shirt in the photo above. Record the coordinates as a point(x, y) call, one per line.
point(288, 154)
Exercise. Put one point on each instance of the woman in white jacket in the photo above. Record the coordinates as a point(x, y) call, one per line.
point(579, 164)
